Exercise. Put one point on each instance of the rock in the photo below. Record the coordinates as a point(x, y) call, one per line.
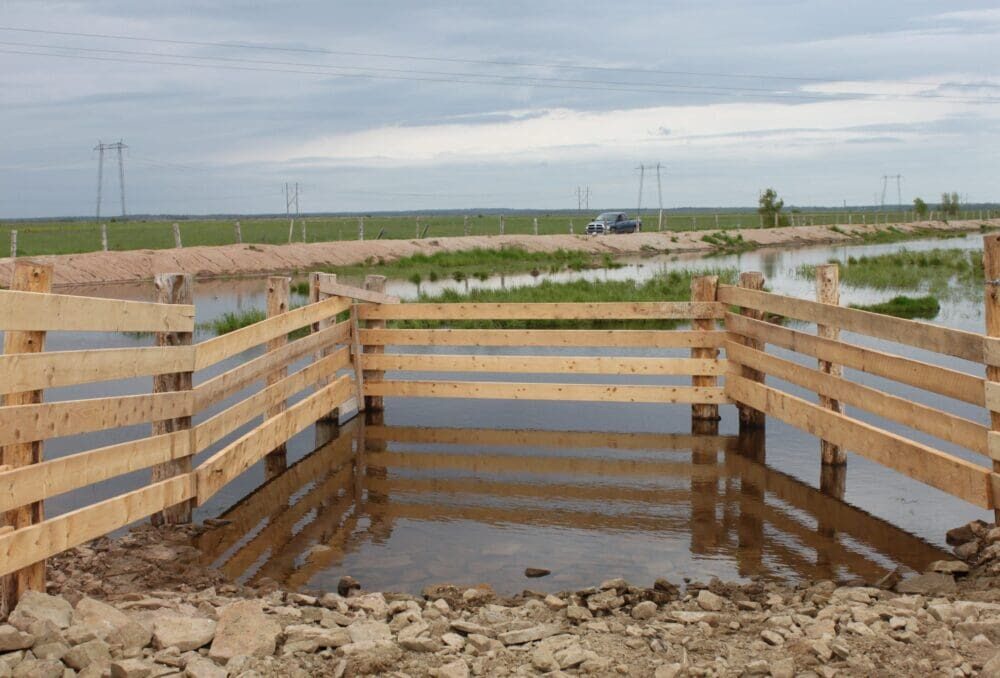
point(573, 656)
point(322, 637)
point(783, 668)
point(243, 628)
point(757, 667)
point(890, 580)
point(990, 629)
point(467, 627)
point(521, 636)
point(968, 550)
point(347, 584)
point(12, 639)
point(949, 567)
point(691, 617)
point(200, 667)
point(130, 668)
point(453, 640)
point(644, 610)
point(772, 637)
point(991, 669)
point(83, 655)
point(555, 602)
point(709, 601)
point(107, 622)
point(931, 583)
point(543, 660)
point(668, 670)
point(369, 632)
point(534, 572)
point(184, 633)
point(456, 669)
point(38, 606)
point(370, 658)
point(578, 614)
point(605, 601)
point(39, 668)
point(372, 603)
point(965, 533)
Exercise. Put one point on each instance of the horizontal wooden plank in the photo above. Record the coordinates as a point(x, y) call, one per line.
point(941, 380)
point(541, 364)
point(226, 464)
point(943, 425)
point(29, 545)
point(230, 419)
point(233, 343)
point(37, 311)
point(27, 484)
point(957, 477)
point(574, 440)
point(336, 289)
point(545, 391)
point(624, 310)
point(226, 384)
point(594, 338)
point(958, 343)
point(26, 423)
point(32, 371)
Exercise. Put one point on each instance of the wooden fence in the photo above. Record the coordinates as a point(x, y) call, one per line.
point(348, 331)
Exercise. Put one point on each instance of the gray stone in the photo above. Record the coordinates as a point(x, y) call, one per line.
point(644, 610)
point(605, 601)
point(107, 622)
point(12, 639)
point(772, 637)
point(709, 601)
point(543, 660)
point(578, 614)
point(321, 636)
point(51, 650)
point(38, 606)
point(931, 583)
point(184, 633)
point(369, 631)
point(243, 628)
point(757, 667)
point(521, 636)
point(130, 668)
point(83, 655)
point(39, 668)
point(468, 627)
point(204, 668)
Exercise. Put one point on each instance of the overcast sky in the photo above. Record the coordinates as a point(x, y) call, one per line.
point(401, 104)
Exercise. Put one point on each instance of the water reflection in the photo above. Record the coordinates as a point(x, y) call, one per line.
point(402, 507)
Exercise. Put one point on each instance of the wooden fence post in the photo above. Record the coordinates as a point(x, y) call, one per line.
point(361, 228)
point(828, 292)
point(465, 224)
point(278, 293)
point(659, 221)
point(13, 243)
point(374, 283)
point(750, 418)
point(991, 264)
point(28, 277)
point(303, 229)
point(315, 295)
point(177, 236)
point(501, 224)
point(534, 224)
point(704, 288)
point(173, 288)
point(239, 233)
point(104, 237)
point(571, 227)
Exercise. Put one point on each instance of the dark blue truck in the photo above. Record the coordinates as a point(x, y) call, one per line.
point(613, 222)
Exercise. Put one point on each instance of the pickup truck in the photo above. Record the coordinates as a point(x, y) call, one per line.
point(613, 222)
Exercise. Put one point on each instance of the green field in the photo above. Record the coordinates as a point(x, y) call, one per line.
point(72, 236)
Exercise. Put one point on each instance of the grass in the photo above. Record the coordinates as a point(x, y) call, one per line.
point(230, 321)
point(942, 272)
point(905, 307)
point(503, 260)
point(727, 243)
point(670, 286)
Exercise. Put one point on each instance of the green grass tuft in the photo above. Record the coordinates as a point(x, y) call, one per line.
point(905, 307)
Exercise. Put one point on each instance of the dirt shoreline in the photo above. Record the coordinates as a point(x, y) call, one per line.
point(256, 260)
point(146, 605)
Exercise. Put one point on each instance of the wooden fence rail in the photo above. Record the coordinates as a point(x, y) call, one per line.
point(355, 354)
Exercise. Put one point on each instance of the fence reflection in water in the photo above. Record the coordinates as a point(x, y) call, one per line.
point(404, 507)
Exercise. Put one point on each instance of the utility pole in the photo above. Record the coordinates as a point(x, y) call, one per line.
point(885, 182)
point(582, 198)
point(642, 179)
point(118, 146)
point(291, 198)
point(899, 190)
point(659, 195)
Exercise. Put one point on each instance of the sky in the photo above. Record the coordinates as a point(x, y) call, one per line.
point(409, 105)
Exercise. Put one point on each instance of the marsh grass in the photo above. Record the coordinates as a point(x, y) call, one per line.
point(230, 321)
point(905, 307)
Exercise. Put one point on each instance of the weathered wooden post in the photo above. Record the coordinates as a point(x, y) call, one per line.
point(13, 243)
point(776, 220)
point(750, 418)
point(704, 289)
point(416, 228)
point(501, 224)
point(177, 236)
point(278, 293)
point(534, 224)
point(239, 233)
point(659, 221)
point(465, 224)
point(173, 288)
point(991, 263)
point(571, 227)
point(327, 424)
point(361, 228)
point(28, 277)
point(104, 237)
point(716, 220)
point(374, 283)
point(303, 230)
point(828, 292)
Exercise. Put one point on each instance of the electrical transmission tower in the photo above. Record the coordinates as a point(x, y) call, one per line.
point(582, 198)
point(291, 198)
point(100, 148)
point(885, 182)
point(642, 181)
point(659, 196)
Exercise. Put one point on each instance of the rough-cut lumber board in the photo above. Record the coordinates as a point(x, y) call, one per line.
point(704, 289)
point(545, 391)
point(575, 440)
point(230, 419)
point(957, 477)
point(943, 425)
point(29, 371)
point(991, 271)
point(335, 289)
point(624, 310)
point(374, 283)
point(226, 464)
point(941, 380)
point(278, 301)
point(828, 292)
point(31, 544)
point(595, 338)
point(226, 384)
point(36, 311)
point(56, 476)
point(225, 346)
point(24, 423)
point(356, 355)
point(433, 362)
point(750, 418)
point(958, 343)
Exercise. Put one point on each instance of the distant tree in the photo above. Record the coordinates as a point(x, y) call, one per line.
point(949, 204)
point(769, 207)
point(920, 207)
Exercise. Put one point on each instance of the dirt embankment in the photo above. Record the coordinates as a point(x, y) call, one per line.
point(252, 260)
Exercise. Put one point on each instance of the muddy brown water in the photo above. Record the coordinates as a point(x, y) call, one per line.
point(470, 491)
